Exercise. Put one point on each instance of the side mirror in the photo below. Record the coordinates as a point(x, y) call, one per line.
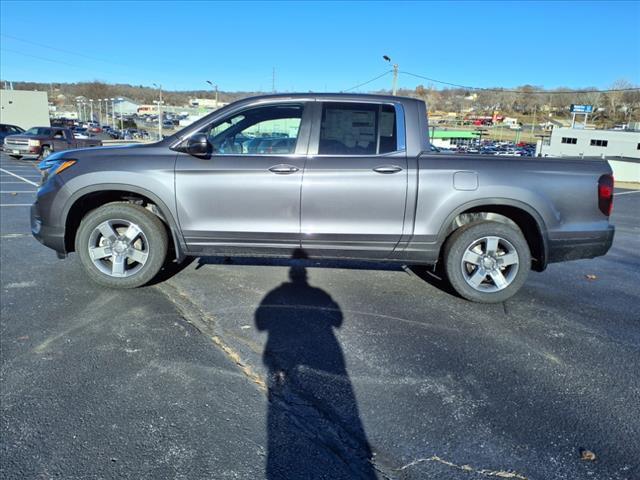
point(198, 145)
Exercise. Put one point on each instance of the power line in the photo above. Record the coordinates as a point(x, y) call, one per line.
point(39, 58)
point(62, 50)
point(545, 92)
point(368, 81)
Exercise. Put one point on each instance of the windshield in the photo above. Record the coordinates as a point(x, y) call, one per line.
point(38, 131)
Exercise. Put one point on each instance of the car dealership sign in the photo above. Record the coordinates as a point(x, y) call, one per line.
point(581, 108)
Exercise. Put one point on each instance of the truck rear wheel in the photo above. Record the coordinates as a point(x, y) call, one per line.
point(487, 262)
point(121, 245)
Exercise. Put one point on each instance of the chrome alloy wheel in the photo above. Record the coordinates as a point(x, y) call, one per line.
point(118, 248)
point(490, 264)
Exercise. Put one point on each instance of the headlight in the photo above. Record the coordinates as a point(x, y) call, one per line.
point(51, 161)
point(34, 143)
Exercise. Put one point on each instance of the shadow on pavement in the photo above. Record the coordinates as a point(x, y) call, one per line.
point(312, 407)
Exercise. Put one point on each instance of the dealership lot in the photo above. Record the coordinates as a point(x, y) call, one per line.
point(201, 377)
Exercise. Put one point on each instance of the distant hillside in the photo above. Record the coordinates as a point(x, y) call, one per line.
point(139, 93)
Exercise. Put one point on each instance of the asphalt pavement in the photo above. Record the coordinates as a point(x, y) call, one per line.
point(254, 369)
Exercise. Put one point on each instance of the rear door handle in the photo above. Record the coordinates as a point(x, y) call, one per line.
point(283, 169)
point(387, 169)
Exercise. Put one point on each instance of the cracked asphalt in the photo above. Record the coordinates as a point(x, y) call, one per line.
point(252, 369)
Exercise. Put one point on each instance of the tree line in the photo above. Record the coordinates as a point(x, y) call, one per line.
point(609, 107)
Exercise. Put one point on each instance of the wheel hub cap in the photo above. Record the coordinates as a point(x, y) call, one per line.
point(489, 263)
point(119, 247)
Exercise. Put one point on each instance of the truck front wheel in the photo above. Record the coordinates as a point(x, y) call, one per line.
point(121, 245)
point(487, 262)
point(46, 151)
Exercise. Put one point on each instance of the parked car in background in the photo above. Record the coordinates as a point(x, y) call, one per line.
point(42, 141)
point(6, 129)
point(356, 180)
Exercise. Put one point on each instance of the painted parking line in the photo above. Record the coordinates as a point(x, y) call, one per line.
point(626, 193)
point(15, 204)
point(12, 192)
point(19, 177)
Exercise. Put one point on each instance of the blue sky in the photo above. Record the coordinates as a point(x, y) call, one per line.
point(321, 46)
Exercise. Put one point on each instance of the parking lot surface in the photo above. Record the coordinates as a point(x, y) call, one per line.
point(297, 369)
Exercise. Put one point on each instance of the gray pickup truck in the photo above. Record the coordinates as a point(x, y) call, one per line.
point(338, 176)
point(42, 141)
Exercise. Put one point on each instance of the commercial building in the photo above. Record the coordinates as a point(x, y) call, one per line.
point(452, 138)
point(24, 108)
point(620, 147)
point(206, 103)
point(125, 106)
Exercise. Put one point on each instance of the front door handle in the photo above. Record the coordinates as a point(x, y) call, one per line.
point(387, 169)
point(283, 169)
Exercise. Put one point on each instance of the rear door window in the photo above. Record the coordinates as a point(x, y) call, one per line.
point(357, 129)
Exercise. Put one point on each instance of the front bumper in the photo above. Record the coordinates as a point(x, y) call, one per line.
point(23, 150)
point(50, 236)
point(576, 245)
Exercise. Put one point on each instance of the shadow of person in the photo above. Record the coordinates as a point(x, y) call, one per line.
point(313, 425)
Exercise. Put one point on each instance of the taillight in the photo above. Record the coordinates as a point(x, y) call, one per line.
point(605, 194)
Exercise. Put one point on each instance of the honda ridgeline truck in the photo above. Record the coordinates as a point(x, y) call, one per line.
point(336, 175)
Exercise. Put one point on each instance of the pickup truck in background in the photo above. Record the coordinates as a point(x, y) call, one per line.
point(42, 141)
point(340, 176)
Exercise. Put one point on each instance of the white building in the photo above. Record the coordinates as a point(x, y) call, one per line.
point(620, 147)
point(24, 108)
point(206, 103)
point(124, 105)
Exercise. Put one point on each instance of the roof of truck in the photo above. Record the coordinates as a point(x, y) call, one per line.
point(345, 96)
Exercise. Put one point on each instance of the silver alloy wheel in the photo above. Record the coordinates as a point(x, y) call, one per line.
point(490, 264)
point(118, 248)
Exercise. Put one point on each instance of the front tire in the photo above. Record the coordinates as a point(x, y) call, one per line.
point(121, 245)
point(46, 151)
point(487, 262)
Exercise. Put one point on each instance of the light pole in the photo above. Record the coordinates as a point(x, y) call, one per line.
point(91, 104)
point(159, 111)
point(394, 85)
point(215, 87)
point(100, 111)
point(113, 112)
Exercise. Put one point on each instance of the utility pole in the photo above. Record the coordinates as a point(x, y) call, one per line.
point(394, 88)
point(394, 85)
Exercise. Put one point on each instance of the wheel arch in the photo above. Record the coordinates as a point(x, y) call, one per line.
point(508, 211)
point(94, 196)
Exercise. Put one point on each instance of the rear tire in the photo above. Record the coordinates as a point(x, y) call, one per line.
point(487, 262)
point(17, 157)
point(121, 245)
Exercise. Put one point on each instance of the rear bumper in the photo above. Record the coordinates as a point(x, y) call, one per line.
point(576, 245)
point(50, 236)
